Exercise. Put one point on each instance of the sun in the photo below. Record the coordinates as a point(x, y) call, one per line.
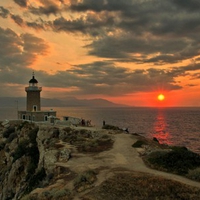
point(161, 97)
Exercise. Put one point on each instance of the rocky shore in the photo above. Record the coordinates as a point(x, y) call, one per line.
point(47, 162)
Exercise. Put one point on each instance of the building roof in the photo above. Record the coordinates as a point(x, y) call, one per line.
point(33, 80)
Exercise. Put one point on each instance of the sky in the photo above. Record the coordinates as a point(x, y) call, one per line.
point(125, 51)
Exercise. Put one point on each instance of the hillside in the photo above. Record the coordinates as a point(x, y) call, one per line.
point(68, 102)
point(57, 162)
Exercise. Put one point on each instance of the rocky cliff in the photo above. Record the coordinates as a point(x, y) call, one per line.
point(46, 162)
point(28, 153)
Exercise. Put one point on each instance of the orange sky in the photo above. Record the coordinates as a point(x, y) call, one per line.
point(125, 51)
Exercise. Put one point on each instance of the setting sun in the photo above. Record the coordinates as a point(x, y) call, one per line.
point(161, 97)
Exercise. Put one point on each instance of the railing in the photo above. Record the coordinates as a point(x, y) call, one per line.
point(33, 88)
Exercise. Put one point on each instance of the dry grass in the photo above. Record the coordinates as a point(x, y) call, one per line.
point(140, 186)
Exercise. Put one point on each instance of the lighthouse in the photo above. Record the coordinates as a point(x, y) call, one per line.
point(33, 102)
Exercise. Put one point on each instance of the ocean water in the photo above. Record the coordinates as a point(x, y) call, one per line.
point(173, 126)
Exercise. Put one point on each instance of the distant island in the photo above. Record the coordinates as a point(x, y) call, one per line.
point(68, 102)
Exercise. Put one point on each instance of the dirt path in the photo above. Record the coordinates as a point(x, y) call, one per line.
point(121, 156)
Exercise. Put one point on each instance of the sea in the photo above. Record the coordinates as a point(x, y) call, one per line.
point(173, 126)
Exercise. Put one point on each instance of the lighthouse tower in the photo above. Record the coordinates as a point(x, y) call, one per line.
point(33, 110)
point(33, 95)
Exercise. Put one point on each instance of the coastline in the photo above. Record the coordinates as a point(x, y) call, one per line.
point(82, 160)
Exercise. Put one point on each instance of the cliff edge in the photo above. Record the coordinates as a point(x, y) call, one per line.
point(42, 161)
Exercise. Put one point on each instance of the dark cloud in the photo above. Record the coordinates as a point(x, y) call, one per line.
point(18, 20)
point(17, 54)
point(136, 31)
point(22, 3)
point(145, 27)
point(91, 25)
point(159, 31)
point(107, 79)
point(104, 78)
point(50, 9)
point(36, 26)
point(191, 5)
point(4, 12)
point(100, 5)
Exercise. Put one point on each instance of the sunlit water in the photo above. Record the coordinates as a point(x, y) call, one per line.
point(174, 126)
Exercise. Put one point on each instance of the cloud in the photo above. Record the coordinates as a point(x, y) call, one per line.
point(100, 5)
point(136, 31)
point(4, 12)
point(190, 5)
point(22, 3)
point(104, 78)
point(91, 25)
point(50, 9)
point(18, 20)
point(18, 53)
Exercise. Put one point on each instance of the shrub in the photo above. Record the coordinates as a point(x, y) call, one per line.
point(23, 124)
point(178, 161)
point(11, 137)
point(61, 193)
point(88, 177)
point(51, 143)
point(2, 145)
point(21, 150)
point(56, 133)
point(194, 174)
point(35, 179)
point(8, 131)
point(83, 131)
point(33, 152)
point(31, 168)
point(105, 136)
point(33, 135)
point(86, 146)
point(29, 197)
point(155, 139)
point(111, 127)
point(67, 129)
point(179, 148)
point(139, 143)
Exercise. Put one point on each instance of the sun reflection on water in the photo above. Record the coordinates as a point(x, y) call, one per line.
point(161, 129)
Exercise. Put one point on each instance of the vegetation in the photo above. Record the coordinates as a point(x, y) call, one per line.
point(87, 141)
point(8, 131)
point(33, 151)
point(139, 186)
point(54, 194)
point(28, 147)
point(194, 174)
point(60, 193)
point(22, 125)
point(110, 127)
point(85, 180)
point(2, 145)
point(11, 137)
point(33, 135)
point(179, 160)
point(20, 150)
point(35, 179)
point(139, 143)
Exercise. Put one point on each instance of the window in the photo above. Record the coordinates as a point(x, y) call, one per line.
point(34, 108)
point(45, 117)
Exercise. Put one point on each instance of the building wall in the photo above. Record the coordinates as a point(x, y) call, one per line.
point(36, 116)
point(33, 99)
